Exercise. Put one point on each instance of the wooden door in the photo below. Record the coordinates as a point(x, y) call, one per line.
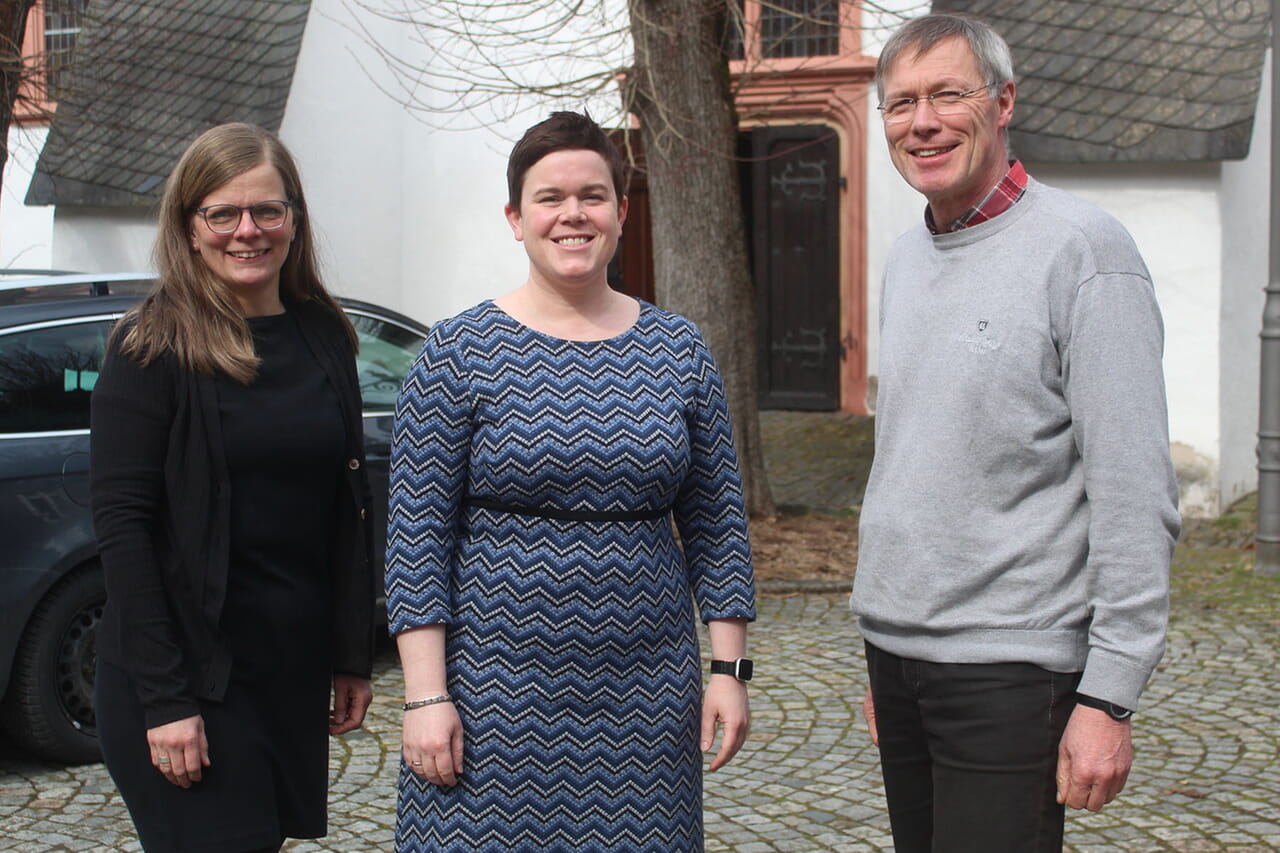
point(631, 270)
point(791, 208)
point(792, 181)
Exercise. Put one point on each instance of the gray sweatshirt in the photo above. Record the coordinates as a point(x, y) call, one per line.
point(1022, 505)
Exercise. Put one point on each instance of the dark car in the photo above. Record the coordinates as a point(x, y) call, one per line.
point(53, 334)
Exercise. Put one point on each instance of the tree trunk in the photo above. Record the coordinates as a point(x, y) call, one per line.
point(13, 27)
point(679, 89)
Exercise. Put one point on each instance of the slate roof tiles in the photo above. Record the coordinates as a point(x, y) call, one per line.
point(1131, 80)
point(149, 76)
point(1098, 80)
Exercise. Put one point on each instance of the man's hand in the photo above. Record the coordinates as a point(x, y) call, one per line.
point(869, 711)
point(1094, 758)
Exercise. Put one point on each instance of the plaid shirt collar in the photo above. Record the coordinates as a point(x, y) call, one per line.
point(1002, 197)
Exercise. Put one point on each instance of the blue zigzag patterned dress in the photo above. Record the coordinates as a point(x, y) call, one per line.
point(571, 652)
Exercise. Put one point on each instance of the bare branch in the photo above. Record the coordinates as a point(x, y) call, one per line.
point(478, 61)
point(470, 63)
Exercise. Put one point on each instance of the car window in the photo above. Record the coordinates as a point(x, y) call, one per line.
point(387, 351)
point(47, 373)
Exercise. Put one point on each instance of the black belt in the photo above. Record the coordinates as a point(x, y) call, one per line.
point(568, 514)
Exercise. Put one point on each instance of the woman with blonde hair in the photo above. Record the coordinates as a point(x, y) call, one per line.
point(229, 499)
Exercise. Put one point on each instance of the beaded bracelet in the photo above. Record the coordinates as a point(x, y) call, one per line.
point(422, 703)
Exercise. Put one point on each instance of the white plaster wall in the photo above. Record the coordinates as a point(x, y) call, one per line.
point(408, 213)
point(404, 215)
point(459, 248)
point(881, 18)
point(892, 206)
point(25, 232)
point(1172, 211)
point(1245, 240)
point(344, 134)
point(88, 239)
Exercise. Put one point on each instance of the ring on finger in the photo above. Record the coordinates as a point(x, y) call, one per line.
point(416, 763)
point(164, 759)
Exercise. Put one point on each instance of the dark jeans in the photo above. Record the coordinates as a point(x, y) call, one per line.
point(969, 753)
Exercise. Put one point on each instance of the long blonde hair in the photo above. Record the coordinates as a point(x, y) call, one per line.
point(190, 311)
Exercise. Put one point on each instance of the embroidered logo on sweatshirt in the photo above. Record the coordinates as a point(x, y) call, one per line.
point(979, 342)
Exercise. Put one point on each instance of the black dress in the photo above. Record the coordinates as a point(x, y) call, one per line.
point(268, 739)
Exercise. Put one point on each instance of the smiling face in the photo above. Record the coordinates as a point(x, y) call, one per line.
point(569, 219)
point(952, 160)
point(247, 260)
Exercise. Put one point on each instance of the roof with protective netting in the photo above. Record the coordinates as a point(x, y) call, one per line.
point(1098, 80)
point(151, 75)
point(1131, 80)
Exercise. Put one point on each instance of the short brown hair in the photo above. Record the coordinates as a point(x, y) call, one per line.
point(563, 131)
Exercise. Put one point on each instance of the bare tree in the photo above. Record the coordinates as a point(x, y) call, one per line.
point(679, 89)
point(475, 62)
point(481, 61)
point(14, 72)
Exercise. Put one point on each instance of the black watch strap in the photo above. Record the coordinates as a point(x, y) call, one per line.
point(1112, 709)
point(741, 668)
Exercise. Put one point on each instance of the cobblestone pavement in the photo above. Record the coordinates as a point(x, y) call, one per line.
point(1207, 776)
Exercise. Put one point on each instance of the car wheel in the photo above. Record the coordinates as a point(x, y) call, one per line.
point(48, 706)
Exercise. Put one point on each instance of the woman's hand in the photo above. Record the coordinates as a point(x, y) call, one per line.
point(725, 703)
point(351, 698)
point(432, 743)
point(180, 750)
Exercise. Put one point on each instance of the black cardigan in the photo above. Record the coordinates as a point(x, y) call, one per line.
point(160, 492)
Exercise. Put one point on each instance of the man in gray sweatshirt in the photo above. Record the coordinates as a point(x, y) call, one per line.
point(1012, 582)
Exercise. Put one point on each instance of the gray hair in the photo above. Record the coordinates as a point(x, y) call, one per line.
point(991, 51)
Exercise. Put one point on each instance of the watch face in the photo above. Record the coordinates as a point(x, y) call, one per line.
point(746, 668)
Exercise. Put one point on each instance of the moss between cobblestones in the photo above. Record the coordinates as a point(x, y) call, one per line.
point(1214, 567)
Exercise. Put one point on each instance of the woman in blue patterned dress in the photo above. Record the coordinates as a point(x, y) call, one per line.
point(542, 607)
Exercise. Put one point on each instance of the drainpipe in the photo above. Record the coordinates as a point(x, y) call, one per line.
point(1268, 537)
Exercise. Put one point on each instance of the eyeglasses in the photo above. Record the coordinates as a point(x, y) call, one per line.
point(225, 218)
point(944, 104)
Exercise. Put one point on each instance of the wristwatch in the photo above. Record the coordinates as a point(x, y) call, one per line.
point(1112, 709)
point(740, 668)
